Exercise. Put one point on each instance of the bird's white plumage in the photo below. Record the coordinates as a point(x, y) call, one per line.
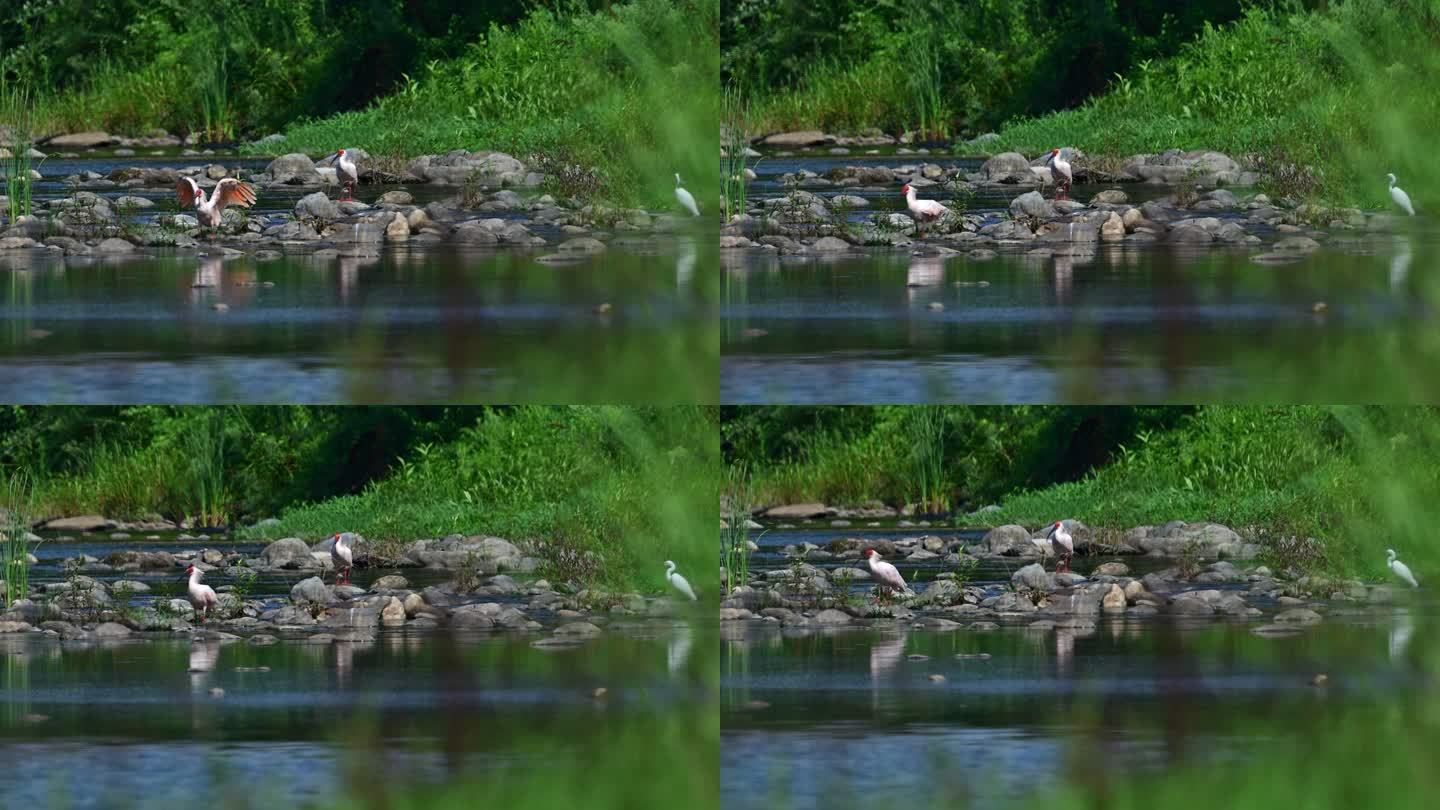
point(686, 199)
point(1057, 159)
point(202, 597)
point(1400, 569)
point(341, 554)
point(923, 209)
point(678, 582)
point(1061, 540)
point(1400, 197)
point(884, 573)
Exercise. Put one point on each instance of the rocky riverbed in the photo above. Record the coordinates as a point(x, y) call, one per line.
point(1199, 571)
point(485, 199)
point(816, 214)
point(478, 584)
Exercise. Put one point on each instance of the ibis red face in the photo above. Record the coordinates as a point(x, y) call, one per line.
point(190, 570)
point(1054, 151)
point(341, 153)
point(905, 190)
point(870, 552)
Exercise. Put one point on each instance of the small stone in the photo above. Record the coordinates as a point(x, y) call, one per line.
point(937, 678)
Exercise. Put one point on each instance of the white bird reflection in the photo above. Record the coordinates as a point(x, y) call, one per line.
point(925, 271)
point(678, 651)
point(685, 263)
point(884, 656)
point(207, 278)
point(203, 655)
point(1400, 632)
point(1400, 263)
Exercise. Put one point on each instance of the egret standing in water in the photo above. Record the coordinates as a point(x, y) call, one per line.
point(886, 574)
point(202, 597)
point(1400, 569)
point(1061, 166)
point(342, 556)
point(677, 581)
point(211, 210)
point(687, 200)
point(347, 173)
point(1063, 544)
point(1400, 197)
point(922, 210)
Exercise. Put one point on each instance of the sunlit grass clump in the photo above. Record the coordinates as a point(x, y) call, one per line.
point(1324, 102)
point(624, 98)
point(1323, 489)
point(611, 492)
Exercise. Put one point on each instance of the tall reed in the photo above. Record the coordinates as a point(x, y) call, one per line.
point(738, 497)
point(735, 143)
point(17, 108)
point(17, 513)
point(203, 445)
point(927, 458)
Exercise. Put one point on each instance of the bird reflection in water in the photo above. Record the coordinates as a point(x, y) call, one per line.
point(885, 655)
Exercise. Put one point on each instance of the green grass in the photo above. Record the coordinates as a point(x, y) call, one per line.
point(16, 137)
point(631, 94)
point(1325, 102)
point(1357, 479)
point(612, 492)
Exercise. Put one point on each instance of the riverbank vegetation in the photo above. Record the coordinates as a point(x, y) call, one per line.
point(1324, 101)
point(1355, 478)
point(614, 98)
point(612, 492)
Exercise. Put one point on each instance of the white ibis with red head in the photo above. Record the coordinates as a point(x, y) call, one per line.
point(347, 172)
point(922, 210)
point(342, 555)
point(1400, 569)
point(678, 582)
point(211, 210)
point(1400, 197)
point(1063, 545)
point(887, 575)
point(685, 198)
point(202, 597)
point(1059, 164)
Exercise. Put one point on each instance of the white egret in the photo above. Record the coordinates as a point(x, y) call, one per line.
point(922, 210)
point(202, 597)
point(1400, 569)
point(887, 575)
point(342, 555)
point(678, 582)
point(1058, 163)
point(1063, 545)
point(1400, 197)
point(687, 200)
point(210, 210)
point(347, 173)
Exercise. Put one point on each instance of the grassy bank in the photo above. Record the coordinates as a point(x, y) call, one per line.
point(611, 103)
point(936, 67)
point(610, 99)
point(1355, 478)
point(1325, 102)
point(612, 491)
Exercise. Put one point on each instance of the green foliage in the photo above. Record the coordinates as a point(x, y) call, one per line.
point(632, 91)
point(951, 456)
point(230, 66)
point(940, 68)
point(17, 512)
point(1321, 489)
point(1326, 103)
point(605, 493)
